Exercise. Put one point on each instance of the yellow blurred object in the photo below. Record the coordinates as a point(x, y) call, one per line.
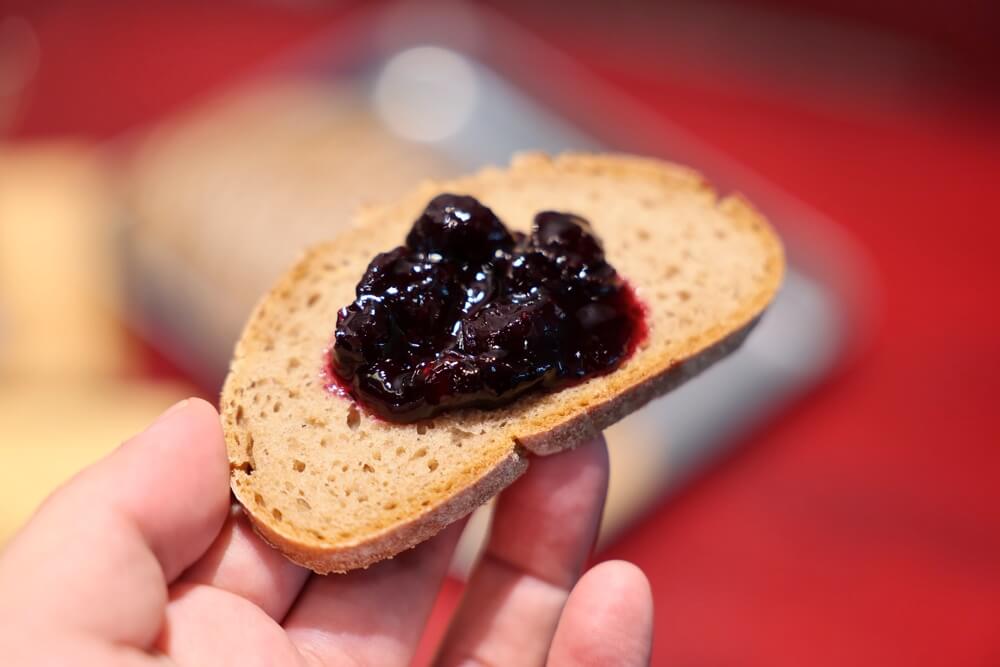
point(50, 430)
point(63, 402)
point(56, 270)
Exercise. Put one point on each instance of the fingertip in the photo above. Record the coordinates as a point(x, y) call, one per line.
point(608, 619)
point(203, 408)
point(173, 479)
point(628, 581)
point(189, 413)
point(189, 435)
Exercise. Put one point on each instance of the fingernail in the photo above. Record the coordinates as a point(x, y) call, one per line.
point(176, 407)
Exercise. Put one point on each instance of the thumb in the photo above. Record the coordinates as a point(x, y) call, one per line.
point(99, 553)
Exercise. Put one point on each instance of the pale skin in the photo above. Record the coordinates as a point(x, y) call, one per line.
point(141, 560)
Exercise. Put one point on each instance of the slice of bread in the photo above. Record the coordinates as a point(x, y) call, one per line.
point(336, 489)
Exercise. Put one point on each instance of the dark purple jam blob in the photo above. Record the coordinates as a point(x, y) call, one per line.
point(470, 314)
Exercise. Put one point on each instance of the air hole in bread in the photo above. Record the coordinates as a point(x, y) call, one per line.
point(671, 272)
point(246, 468)
point(294, 363)
point(239, 415)
point(311, 301)
point(420, 453)
point(353, 417)
point(299, 466)
point(303, 503)
point(367, 468)
point(277, 406)
point(458, 435)
point(259, 499)
point(400, 451)
point(391, 505)
point(377, 455)
point(421, 429)
point(276, 513)
point(432, 465)
point(683, 295)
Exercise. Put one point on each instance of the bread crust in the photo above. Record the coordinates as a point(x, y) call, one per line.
point(550, 428)
point(399, 538)
point(588, 424)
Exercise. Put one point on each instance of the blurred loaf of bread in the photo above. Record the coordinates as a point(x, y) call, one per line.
point(222, 199)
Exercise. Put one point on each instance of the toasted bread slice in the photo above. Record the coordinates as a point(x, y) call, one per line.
point(336, 489)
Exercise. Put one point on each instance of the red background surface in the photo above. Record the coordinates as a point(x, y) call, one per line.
point(863, 526)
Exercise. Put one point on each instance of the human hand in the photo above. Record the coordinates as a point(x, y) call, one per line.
point(140, 560)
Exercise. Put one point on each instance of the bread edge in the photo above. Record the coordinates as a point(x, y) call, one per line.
point(589, 423)
point(400, 537)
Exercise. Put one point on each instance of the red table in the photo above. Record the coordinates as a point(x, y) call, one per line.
point(863, 527)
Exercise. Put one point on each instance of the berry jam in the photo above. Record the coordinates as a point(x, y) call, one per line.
point(468, 313)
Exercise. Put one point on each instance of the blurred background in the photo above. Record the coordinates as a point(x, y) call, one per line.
point(831, 495)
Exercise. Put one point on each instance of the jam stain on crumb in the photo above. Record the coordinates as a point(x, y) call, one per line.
point(469, 314)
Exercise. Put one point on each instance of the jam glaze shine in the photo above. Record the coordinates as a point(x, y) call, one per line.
point(469, 314)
